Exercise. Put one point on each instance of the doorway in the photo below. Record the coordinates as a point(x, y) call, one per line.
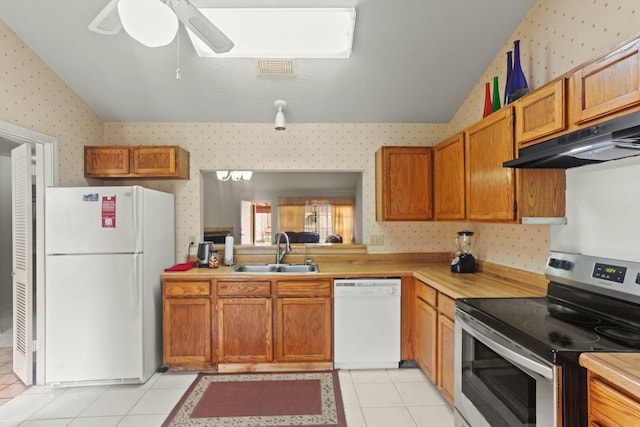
point(44, 168)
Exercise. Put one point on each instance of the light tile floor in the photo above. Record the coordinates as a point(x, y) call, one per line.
point(372, 398)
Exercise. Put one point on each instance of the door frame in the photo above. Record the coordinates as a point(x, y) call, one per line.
point(46, 175)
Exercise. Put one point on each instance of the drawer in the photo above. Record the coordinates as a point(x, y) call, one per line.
point(426, 293)
point(447, 306)
point(244, 288)
point(608, 405)
point(303, 288)
point(187, 289)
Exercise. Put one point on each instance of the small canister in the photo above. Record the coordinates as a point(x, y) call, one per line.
point(213, 258)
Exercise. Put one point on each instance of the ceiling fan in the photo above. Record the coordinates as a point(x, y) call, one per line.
point(155, 22)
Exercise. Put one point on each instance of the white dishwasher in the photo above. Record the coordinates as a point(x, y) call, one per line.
point(366, 323)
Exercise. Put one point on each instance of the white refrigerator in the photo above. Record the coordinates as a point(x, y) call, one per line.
point(106, 248)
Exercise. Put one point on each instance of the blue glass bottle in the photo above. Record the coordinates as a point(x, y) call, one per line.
point(517, 86)
point(509, 71)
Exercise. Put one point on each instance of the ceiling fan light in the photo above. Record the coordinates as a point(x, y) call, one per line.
point(150, 22)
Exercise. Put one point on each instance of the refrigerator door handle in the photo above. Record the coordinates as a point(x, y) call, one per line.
point(136, 212)
point(137, 281)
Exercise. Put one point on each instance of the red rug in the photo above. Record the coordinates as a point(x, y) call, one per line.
point(303, 399)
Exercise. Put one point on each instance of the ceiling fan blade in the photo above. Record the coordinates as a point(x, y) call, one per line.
point(107, 22)
point(206, 31)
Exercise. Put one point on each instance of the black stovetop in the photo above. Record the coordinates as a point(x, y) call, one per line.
point(563, 324)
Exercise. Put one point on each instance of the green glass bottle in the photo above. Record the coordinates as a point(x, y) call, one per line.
point(495, 105)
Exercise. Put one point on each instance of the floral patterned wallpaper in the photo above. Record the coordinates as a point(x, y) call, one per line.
point(555, 37)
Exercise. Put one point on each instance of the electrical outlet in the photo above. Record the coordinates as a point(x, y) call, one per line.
point(192, 240)
point(376, 239)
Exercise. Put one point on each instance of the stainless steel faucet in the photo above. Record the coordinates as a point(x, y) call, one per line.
point(287, 247)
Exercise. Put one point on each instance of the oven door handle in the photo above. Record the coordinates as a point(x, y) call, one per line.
point(480, 331)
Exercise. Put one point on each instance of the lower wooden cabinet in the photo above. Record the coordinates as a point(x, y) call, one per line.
point(187, 325)
point(303, 321)
point(609, 405)
point(248, 325)
point(245, 330)
point(435, 337)
point(245, 321)
point(426, 329)
point(446, 354)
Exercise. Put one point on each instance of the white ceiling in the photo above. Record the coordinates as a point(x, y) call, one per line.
point(412, 61)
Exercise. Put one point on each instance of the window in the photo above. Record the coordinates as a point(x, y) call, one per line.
point(322, 216)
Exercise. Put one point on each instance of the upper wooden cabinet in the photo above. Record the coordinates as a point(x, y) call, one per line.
point(490, 188)
point(607, 85)
point(448, 179)
point(146, 162)
point(541, 114)
point(404, 184)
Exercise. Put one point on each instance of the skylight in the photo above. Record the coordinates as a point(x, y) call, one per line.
point(282, 32)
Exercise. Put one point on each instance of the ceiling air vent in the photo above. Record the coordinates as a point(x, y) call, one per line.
point(276, 67)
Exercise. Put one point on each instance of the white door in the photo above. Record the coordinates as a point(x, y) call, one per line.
point(22, 263)
point(246, 230)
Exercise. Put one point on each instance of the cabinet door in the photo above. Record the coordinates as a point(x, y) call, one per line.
point(490, 188)
point(155, 161)
point(303, 329)
point(187, 331)
point(607, 85)
point(448, 178)
point(541, 113)
point(245, 330)
point(426, 328)
point(403, 184)
point(446, 353)
point(100, 161)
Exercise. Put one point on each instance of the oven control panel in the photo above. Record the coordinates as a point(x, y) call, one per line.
point(612, 273)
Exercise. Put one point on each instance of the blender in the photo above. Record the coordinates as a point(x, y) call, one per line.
point(464, 262)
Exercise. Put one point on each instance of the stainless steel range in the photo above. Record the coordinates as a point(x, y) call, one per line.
point(517, 358)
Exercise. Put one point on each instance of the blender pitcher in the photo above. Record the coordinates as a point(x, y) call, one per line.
point(464, 262)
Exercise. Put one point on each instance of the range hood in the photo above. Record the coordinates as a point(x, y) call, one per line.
point(612, 140)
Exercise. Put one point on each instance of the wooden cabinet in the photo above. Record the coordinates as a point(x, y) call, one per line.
point(245, 319)
point(446, 345)
point(607, 85)
point(449, 179)
point(274, 324)
point(540, 114)
point(490, 188)
point(610, 405)
point(498, 194)
point(136, 162)
point(435, 337)
point(303, 320)
point(187, 325)
point(404, 184)
point(426, 329)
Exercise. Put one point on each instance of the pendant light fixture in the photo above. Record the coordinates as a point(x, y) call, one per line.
point(280, 123)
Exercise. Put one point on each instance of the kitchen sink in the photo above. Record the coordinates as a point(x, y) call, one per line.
point(275, 268)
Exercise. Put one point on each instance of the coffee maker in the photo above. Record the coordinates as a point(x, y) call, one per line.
point(464, 261)
point(204, 248)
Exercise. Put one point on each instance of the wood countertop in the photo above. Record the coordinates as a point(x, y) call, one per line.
point(622, 369)
point(491, 281)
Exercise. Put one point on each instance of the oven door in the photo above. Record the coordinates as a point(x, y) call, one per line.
point(498, 383)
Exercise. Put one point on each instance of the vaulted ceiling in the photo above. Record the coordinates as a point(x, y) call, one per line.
point(412, 61)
